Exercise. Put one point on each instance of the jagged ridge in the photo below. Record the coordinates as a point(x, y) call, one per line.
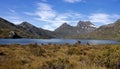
point(84, 29)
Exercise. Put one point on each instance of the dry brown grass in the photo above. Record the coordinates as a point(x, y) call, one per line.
point(50, 56)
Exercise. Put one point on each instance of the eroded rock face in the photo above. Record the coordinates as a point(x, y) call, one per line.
point(82, 27)
point(13, 34)
point(85, 27)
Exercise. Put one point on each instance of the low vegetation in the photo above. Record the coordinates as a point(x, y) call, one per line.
point(54, 56)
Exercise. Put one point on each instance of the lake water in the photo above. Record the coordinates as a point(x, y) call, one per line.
point(56, 41)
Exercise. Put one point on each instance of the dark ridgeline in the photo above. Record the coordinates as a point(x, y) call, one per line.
point(83, 30)
point(37, 32)
point(109, 31)
point(83, 27)
point(24, 30)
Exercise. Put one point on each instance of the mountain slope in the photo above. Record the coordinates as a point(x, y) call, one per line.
point(6, 27)
point(83, 30)
point(83, 27)
point(37, 32)
point(110, 31)
point(87, 30)
point(26, 30)
point(64, 30)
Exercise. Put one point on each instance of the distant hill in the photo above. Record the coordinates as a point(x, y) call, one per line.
point(24, 30)
point(37, 32)
point(6, 27)
point(83, 30)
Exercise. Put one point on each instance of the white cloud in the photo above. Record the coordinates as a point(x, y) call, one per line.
point(103, 18)
point(53, 19)
point(14, 19)
point(72, 1)
point(47, 14)
point(45, 11)
point(13, 16)
point(12, 11)
point(48, 27)
point(44, 6)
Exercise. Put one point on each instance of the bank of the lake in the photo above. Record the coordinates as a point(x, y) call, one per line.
point(55, 56)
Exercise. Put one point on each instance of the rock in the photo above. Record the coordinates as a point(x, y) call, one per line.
point(118, 64)
point(13, 34)
point(83, 27)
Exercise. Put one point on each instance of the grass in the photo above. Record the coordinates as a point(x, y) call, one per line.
point(51, 56)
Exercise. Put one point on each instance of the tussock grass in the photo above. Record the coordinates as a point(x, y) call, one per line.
point(54, 56)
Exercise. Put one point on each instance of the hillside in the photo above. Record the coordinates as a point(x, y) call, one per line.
point(6, 27)
point(37, 32)
point(24, 30)
point(83, 30)
point(110, 31)
point(83, 27)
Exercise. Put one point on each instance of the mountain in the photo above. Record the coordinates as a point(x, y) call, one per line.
point(6, 24)
point(83, 30)
point(37, 32)
point(64, 30)
point(83, 27)
point(6, 27)
point(24, 30)
point(110, 31)
point(87, 30)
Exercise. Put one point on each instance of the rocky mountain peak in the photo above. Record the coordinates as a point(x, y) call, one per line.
point(65, 25)
point(85, 24)
point(26, 25)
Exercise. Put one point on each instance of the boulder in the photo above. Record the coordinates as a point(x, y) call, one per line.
point(13, 34)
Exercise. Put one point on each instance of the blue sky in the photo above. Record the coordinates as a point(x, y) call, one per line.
point(50, 14)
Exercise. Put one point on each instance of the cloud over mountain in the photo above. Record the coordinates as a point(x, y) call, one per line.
point(49, 14)
point(44, 12)
point(103, 18)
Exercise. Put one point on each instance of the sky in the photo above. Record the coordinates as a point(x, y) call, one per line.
point(50, 14)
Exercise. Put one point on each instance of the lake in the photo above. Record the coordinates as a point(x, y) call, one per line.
point(56, 41)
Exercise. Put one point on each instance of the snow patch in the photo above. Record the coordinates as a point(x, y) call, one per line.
point(92, 26)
